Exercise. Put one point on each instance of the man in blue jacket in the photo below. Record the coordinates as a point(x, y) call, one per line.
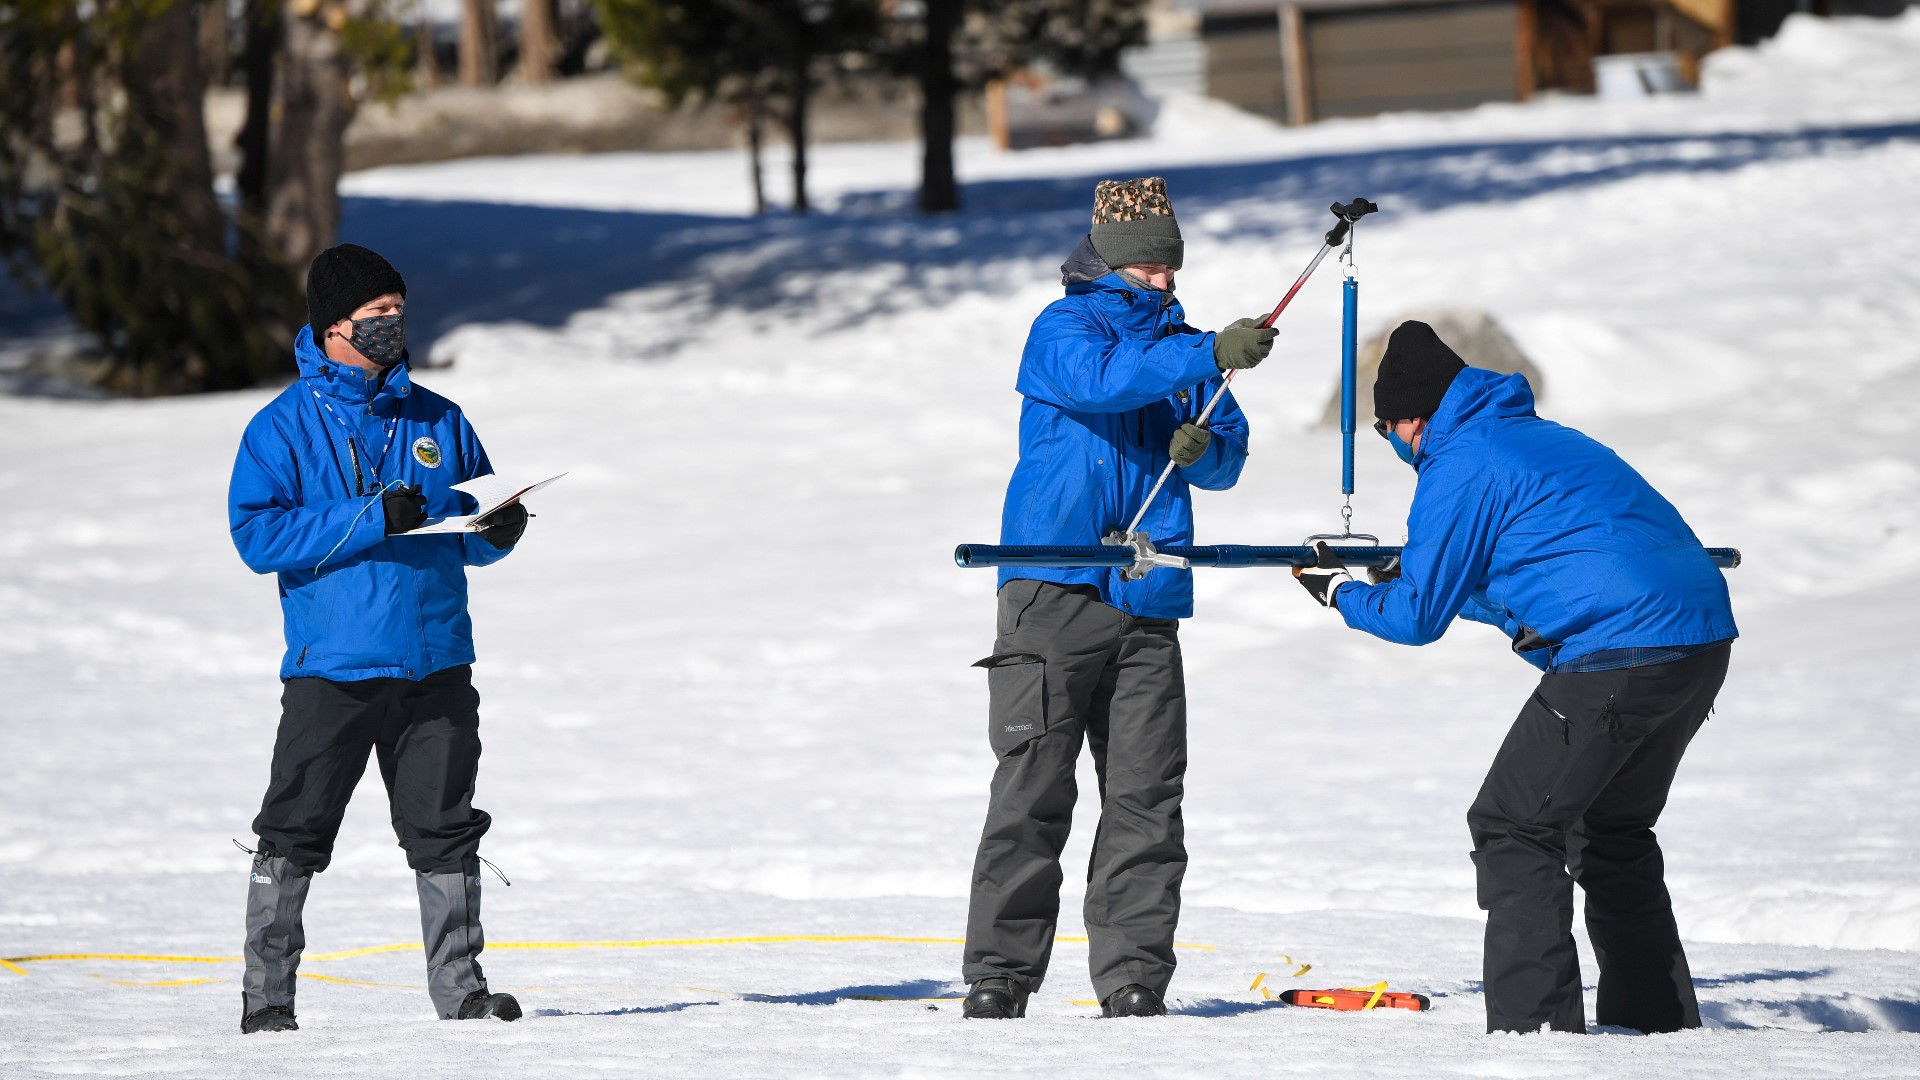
point(329, 474)
point(1112, 379)
point(1537, 529)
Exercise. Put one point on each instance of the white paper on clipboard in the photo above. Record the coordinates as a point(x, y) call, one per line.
point(491, 492)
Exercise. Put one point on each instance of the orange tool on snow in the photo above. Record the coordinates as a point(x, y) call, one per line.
point(1356, 999)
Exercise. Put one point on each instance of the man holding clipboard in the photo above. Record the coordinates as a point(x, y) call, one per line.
point(379, 643)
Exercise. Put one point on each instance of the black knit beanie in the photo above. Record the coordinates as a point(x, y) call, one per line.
point(1133, 224)
point(1414, 374)
point(341, 279)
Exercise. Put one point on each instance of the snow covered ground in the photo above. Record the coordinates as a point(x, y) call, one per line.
point(725, 681)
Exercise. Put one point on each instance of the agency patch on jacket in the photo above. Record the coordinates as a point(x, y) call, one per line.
point(426, 451)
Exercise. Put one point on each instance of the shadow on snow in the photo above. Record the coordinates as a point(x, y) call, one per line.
point(490, 262)
point(672, 1007)
point(477, 262)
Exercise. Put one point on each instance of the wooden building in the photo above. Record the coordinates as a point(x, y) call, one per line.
point(1306, 60)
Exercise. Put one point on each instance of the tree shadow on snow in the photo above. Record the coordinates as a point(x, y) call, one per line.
point(928, 990)
point(1747, 977)
point(479, 262)
point(1219, 1007)
point(491, 262)
point(639, 1010)
point(1842, 1012)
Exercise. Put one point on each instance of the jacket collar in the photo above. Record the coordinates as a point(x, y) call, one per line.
point(381, 393)
point(1085, 273)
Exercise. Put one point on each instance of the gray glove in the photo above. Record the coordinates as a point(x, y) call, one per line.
point(1188, 444)
point(1243, 344)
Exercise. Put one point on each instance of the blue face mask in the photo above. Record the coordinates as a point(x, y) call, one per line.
point(1400, 449)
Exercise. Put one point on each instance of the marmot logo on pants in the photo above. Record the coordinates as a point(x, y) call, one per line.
point(1021, 727)
point(259, 878)
point(426, 451)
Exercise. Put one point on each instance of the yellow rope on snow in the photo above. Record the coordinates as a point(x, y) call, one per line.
point(13, 963)
point(350, 982)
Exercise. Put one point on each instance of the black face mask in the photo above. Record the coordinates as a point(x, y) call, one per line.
point(381, 338)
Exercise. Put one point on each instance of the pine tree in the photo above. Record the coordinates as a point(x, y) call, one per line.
point(106, 186)
point(111, 206)
point(952, 46)
point(766, 57)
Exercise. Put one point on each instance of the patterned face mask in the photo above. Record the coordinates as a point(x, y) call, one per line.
point(381, 338)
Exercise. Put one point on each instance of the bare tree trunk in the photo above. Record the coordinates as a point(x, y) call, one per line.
point(539, 43)
point(303, 173)
point(939, 191)
point(216, 54)
point(164, 152)
point(426, 60)
point(166, 89)
point(479, 44)
point(756, 120)
point(801, 91)
point(257, 62)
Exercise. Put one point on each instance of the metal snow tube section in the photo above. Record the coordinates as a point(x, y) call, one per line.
point(970, 556)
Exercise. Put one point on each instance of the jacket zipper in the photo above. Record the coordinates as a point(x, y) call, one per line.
point(359, 484)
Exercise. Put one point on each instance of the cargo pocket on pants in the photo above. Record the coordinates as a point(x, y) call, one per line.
point(1017, 700)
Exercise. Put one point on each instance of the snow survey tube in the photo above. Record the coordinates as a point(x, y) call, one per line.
point(970, 556)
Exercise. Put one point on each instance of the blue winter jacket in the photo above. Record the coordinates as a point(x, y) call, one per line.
point(304, 503)
point(1109, 373)
point(1524, 524)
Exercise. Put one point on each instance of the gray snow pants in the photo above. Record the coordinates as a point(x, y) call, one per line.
point(1067, 667)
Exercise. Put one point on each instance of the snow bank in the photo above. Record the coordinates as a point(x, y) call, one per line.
point(725, 679)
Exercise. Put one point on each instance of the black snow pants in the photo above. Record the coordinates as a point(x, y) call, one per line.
point(1065, 668)
point(1573, 796)
point(426, 735)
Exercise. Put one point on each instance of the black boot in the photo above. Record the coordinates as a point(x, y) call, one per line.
point(1133, 1000)
point(485, 1005)
point(995, 999)
point(271, 1018)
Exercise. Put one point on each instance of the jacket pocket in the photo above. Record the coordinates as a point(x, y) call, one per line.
point(1017, 700)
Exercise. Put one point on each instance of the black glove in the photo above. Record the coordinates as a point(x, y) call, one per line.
point(1188, 444)
point(1380, 575)
point(1242, 344)
point(504, 526)
point(406, 508)
point(1326, 574)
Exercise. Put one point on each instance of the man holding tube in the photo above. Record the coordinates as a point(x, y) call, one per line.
point(1112, 381)
point(1539, 530)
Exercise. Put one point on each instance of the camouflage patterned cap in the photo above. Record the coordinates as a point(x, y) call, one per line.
point(1130, 200)
point(1133, 223)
